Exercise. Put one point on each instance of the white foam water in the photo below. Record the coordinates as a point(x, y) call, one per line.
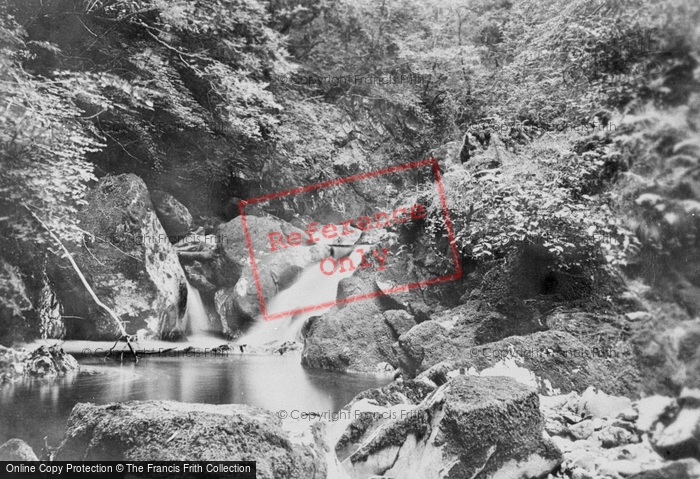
point(313, 288)
point(196, 316)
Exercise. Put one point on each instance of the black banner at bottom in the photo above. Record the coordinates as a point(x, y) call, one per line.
point(128, 469)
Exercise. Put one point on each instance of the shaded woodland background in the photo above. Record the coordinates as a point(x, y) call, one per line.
point(596, 102)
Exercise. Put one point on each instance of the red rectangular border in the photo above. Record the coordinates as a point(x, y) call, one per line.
point(351, 299)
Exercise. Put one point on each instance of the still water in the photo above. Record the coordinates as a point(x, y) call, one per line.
point(33, 408)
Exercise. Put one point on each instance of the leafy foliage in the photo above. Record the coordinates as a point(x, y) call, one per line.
point(43, 146)
point(394, 66)
point(565, 61)
point(543, 197)
point(659, 196)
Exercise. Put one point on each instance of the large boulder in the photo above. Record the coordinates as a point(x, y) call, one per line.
point(490, 427)
point(357, 336)
point(680, 437)
point(173, 215)
point(374, 407)
point(129, 262)
point(174, 431)
point(233, 239)
point(207, 270)
point(276, 272)
point(45, 361)
point(350, 339)
point(427, 345)
point(49, 361)
point(445, 337)
point(17, 450)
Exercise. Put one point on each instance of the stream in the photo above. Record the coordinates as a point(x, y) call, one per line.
point(31, 409)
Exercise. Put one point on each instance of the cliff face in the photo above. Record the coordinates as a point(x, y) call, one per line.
point(130, 263)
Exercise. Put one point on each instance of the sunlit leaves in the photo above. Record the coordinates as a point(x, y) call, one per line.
point(43, 142)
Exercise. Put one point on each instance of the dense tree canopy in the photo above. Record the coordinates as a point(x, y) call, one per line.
point(237, 97)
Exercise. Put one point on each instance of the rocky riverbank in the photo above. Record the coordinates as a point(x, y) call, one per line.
point(504, 372)
point(456, 424)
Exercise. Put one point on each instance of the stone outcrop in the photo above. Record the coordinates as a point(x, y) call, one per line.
point(29, 310)
point(531, 273)
point(128, 261)
point(233, 239)
point(601, 436)
point(173, 215)
point(17, 450)
point(349, 340)
point(45, 361)
point(174, 431)
point(491, 427)
point(238, 303)
point(548, 358)
point(678, 437)
point(428, 344)
point(207, 270)
point(356, 336)
point(374, 407)
point(414, 256)
point(49, 361)
point(276, 272)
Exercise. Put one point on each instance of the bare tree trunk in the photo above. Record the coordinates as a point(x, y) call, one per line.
point(99, 303)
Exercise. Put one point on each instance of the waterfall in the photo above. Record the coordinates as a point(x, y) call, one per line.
point(195, 314)
point(312, 288)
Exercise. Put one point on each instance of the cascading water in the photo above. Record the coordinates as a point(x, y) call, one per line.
point(196, 315)
point(312, 288)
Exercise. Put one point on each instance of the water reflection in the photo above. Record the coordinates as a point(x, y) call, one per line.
point(32, 409)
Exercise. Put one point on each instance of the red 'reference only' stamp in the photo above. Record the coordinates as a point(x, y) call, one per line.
point(335, 233)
